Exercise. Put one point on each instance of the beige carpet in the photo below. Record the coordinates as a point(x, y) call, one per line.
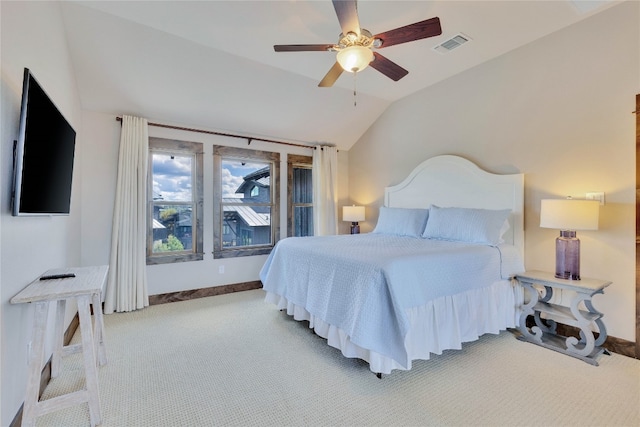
point(236, 360)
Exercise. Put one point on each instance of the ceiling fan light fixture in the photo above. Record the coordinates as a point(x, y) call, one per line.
point(354, 58)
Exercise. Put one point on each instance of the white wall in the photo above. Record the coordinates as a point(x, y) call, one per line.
point(558, 110)
point(33, 37)
point(99, 178)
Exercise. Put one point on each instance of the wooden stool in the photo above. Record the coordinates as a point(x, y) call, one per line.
point(86, 288)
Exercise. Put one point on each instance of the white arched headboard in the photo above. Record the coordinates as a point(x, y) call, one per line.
point(452, 181)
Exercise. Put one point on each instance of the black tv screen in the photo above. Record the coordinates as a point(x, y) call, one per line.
point(43, 157)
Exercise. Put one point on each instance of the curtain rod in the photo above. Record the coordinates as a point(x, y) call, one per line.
point(248, 138)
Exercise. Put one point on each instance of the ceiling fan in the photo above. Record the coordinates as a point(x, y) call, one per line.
point(356, 45)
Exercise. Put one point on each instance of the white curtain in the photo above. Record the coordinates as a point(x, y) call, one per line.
point(127, 283)
point(325, 190)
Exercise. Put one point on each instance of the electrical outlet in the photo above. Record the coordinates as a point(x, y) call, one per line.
point(221, 269)
point(596, 195)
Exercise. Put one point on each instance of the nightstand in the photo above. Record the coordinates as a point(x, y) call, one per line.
point(587, 348)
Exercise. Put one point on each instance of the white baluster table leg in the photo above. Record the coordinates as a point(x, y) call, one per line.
point(88, 352)
point(36, 357)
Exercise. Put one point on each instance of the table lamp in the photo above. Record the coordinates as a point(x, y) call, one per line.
point(353, 214)
point(569, 215)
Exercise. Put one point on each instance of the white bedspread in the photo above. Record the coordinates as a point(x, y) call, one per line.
point(365, 284)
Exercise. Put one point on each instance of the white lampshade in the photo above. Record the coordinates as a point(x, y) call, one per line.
point(353, 213)
point(354, 58)
point(569, 214)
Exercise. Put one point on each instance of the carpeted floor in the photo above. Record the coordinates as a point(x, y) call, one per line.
point(236, 360)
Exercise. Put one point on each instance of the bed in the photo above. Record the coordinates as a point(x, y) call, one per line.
point(436, 272)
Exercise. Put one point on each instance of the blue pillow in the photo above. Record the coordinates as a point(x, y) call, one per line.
point(401, 221)
point(469, 225)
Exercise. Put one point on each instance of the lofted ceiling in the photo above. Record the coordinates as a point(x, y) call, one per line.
point(211, 64)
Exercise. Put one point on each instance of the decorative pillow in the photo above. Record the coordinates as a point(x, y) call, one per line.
point(484, 226)
point(401, 221)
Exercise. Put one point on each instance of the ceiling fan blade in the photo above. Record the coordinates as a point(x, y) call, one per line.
point(331, 77)
point(387, 67)
point(301, 47)
point(347, 11)
point(419, 30)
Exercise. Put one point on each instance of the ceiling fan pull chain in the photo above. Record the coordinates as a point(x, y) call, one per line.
point(355, 97)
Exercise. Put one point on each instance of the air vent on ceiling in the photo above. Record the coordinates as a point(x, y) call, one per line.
point(588, 6)
point(454, 42)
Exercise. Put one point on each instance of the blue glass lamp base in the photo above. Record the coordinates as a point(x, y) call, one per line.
point(568, 256)
point(355, 228)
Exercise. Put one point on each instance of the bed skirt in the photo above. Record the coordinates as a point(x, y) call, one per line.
point(442, 324)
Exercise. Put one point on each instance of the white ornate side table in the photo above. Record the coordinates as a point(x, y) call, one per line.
point(587, 348)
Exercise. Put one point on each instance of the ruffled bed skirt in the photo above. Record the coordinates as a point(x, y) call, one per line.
point(442, 324)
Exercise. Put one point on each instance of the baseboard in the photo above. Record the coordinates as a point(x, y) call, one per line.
point(616, 345)
point(203, 292)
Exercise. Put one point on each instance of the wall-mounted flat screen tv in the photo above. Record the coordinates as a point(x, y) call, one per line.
point(43, 155)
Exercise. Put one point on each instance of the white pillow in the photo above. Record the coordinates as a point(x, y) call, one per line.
point(401, 221)
point(470, 225)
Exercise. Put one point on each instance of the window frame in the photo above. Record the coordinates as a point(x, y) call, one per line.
point(293, 161)
point(178, 148)
point(233, 153)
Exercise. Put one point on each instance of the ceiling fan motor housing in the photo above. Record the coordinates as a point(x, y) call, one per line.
point(352, 39)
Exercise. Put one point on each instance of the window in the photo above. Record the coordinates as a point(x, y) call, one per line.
point(300, 193)
point(246, 200)
point(174, 226)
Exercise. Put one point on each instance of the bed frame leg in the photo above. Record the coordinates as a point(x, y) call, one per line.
point(379, 375)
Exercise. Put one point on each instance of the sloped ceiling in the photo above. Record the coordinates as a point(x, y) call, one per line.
point(211, 64)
